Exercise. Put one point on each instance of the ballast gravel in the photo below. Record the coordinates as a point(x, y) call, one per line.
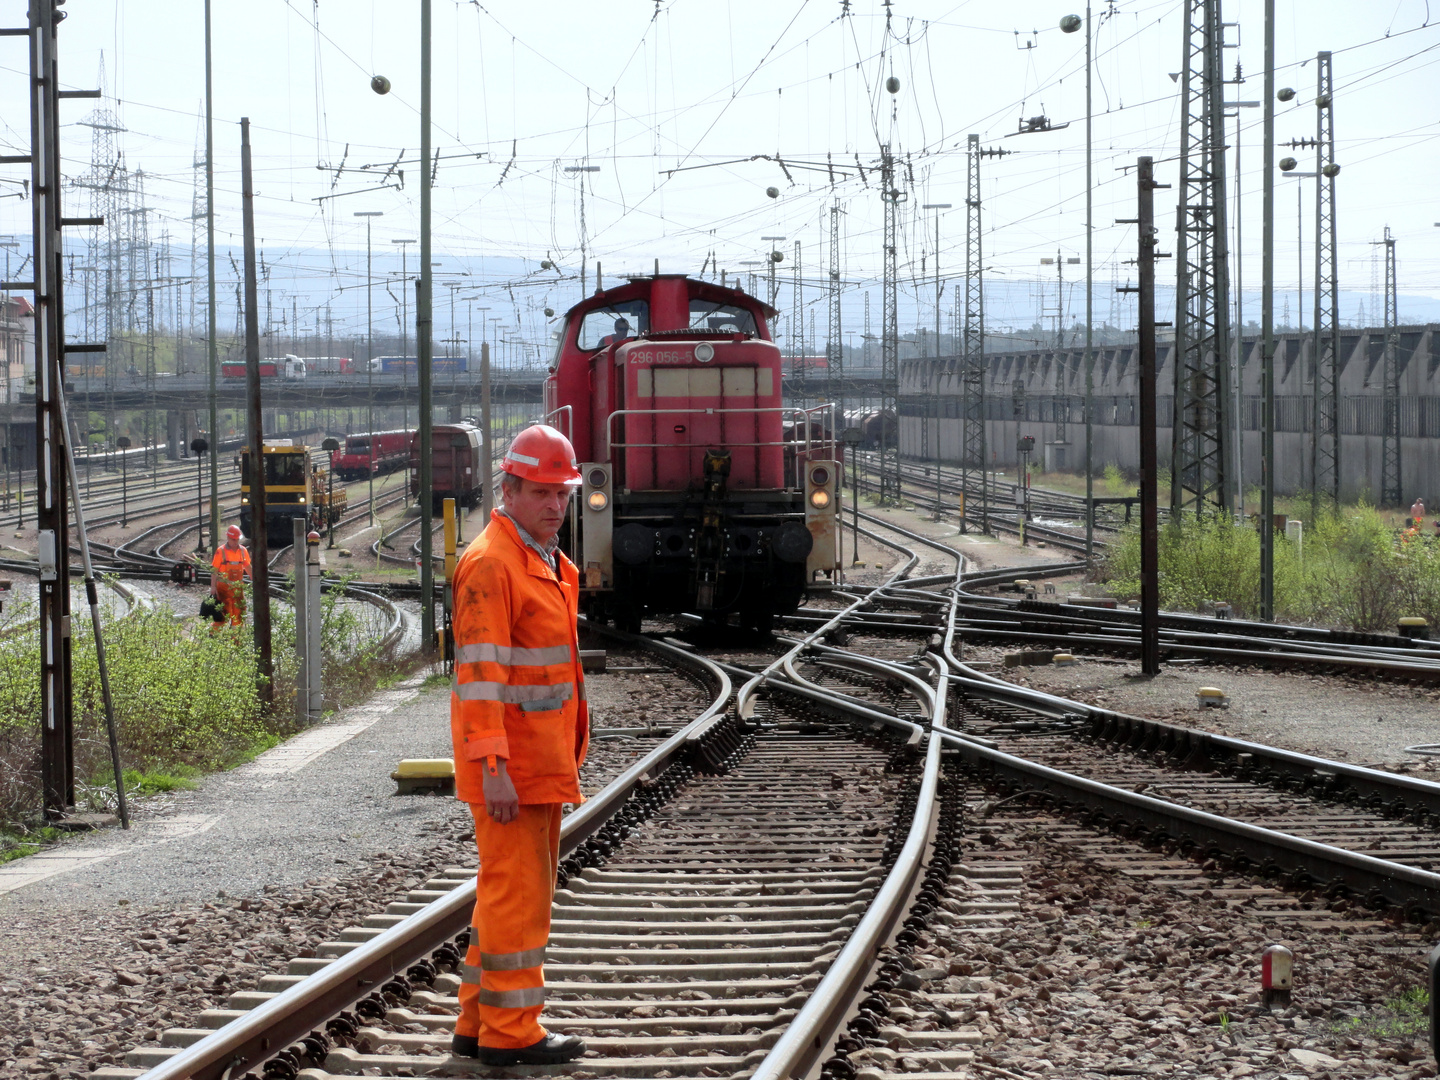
point(1346, 718)
point(1106, 972)
point(102, 958)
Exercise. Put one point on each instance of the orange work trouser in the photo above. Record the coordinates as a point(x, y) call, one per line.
point(233, 597)
point(502, 987)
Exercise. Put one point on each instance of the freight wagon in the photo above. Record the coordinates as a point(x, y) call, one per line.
point(457, 470)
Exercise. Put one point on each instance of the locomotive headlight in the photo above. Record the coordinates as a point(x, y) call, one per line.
point(704, 352)
point(597, 500)
point(819, 498)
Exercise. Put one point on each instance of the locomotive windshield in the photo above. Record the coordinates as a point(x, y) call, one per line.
point(356, 446)
point(726, 318)
point(607, 325)
point(281, 470)
point(285, 470)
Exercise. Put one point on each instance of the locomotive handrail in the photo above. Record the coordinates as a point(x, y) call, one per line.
point(569, 412)
point(797, 417)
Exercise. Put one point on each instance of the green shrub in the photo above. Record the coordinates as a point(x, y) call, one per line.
point(1349, 571)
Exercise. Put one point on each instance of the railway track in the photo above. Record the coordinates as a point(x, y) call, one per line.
point(745, 899)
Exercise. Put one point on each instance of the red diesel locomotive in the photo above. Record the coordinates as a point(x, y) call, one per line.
point(370, 454)
point(702, 493)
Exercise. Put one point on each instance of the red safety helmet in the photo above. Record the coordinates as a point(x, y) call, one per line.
point(542, 454)
point(233, 533)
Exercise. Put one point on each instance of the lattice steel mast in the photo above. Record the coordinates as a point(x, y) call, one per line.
point(797, 339)
point(1325, 429)
point(1201, 450)
point(834, 356)
point(1390, 478)
point(890, 336)
point(973, 454)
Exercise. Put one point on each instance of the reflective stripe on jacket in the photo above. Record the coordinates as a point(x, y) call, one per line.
point(518, 692)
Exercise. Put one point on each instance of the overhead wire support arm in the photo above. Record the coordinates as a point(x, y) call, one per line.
point(359, 191)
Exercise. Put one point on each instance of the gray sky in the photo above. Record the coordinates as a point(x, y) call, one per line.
point(642, 88)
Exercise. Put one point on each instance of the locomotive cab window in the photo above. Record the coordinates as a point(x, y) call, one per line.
point(285, 470)
point(608, 325)
point(724, 318)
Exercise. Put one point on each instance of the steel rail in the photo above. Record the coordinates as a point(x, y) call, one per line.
point(812, 1029)
point(923, 693)
point(1203, 745)
point(248, 1041)
point(1403, 886)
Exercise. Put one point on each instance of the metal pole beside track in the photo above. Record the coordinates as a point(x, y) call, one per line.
point(1149, 451)
point(423, 348)
point(213, 350)
point(1267, 335)
point(260, 559)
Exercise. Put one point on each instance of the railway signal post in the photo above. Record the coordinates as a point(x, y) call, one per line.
point(123, 442)
point(852, 437)
point(330, 446)
point(198, 447)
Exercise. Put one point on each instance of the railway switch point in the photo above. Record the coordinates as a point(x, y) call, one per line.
point(1030, 658)
point(425, 776)
point(1412, 626)
point(1211, 697)
point(1275, 967)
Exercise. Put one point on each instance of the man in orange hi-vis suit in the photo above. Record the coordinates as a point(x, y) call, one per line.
point(229, 567)
point(520, 726)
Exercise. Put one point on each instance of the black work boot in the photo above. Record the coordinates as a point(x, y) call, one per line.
point(551, 1050)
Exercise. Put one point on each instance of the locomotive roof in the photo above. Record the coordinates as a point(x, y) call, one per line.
point(638, 287)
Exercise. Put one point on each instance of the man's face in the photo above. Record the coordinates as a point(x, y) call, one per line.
point(538, 508)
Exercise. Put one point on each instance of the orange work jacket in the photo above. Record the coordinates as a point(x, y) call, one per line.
point(231, 565)
point(518, 693)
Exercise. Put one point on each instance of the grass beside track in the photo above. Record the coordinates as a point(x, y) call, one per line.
point(186, 702)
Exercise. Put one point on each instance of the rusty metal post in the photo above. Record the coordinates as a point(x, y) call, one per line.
point(260, 558)
point(1149, 455)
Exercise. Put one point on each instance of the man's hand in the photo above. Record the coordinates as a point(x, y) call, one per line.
point(501, 801)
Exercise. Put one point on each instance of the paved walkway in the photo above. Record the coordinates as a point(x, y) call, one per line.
point(322, 798)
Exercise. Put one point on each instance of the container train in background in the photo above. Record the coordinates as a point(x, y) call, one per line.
point(371, 454)
point(271, 367)
point(700, 492)
point(457, 467)
point(294, 488)
point(439, 365)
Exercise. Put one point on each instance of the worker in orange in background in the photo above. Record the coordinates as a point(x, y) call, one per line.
point(1417, 512)
point(520, 726)
point(230, 567)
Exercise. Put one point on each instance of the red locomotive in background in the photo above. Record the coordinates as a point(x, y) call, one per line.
point(701, 492)
point(370, 454)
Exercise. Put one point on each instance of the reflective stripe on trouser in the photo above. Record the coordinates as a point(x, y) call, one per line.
point(502, 987)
